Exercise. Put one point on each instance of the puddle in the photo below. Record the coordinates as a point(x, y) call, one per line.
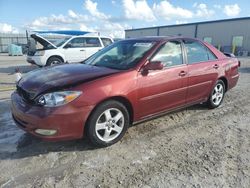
point(9, 132)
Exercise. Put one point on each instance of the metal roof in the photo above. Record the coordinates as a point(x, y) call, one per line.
point(194, 23)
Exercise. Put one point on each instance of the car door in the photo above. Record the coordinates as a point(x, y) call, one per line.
point(164, 89)
point(202, 70)
point(74, 50)
point(92, 45)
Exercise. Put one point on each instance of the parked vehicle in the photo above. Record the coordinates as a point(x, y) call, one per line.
point(124, 83)
point(70, 49)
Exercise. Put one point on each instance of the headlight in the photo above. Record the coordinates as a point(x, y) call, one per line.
point(39, 53)
point(58, 98)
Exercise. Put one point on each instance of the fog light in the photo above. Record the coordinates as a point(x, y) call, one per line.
point(45, 132)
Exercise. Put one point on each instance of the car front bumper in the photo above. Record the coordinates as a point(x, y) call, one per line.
point(67, 121)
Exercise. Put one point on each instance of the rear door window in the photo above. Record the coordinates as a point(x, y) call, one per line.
point(77, 42)
point(92, 42)
point(196, 52)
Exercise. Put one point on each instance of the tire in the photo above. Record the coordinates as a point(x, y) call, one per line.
point(54, 61)
point(107, 124)
point(217, 95)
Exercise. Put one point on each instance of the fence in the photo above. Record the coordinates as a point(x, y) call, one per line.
point(19, 39)
point(6, 39)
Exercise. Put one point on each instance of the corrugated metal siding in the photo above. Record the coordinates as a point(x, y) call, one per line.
point(222, 32)
point(139, 33)
point(187, 31)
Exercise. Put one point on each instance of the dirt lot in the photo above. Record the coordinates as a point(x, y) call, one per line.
point(194, 147)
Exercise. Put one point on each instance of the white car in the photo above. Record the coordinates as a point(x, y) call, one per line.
point(70, 49)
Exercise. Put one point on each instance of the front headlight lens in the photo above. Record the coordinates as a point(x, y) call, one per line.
point(39, 53)
point(58, 98)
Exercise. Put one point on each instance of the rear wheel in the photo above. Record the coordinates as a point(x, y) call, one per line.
point(54, 61)
point(217, 95)
point(108, 123)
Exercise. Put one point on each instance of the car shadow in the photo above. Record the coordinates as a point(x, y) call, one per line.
point(15, 143)
point(198, 107)
point(29, 145)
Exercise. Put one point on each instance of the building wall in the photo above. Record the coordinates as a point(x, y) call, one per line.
point(143, 32)
point(188, 31)
point(221, 32)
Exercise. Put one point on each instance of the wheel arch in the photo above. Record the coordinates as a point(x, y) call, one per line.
point(225, 81)
point(120, 99)
point(57, 56)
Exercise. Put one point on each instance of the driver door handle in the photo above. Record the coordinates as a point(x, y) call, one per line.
point(216, 66)
point(183, 73)
point(82, 50)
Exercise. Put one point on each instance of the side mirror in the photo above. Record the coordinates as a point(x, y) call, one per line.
point(153, 65)
point(68, 45)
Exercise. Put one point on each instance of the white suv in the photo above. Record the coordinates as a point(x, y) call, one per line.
point(70, 49)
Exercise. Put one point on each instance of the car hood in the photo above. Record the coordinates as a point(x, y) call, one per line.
point(60, 77)
point(42, 41)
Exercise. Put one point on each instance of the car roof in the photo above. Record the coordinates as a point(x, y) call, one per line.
point(160, 38)
point(88, 36)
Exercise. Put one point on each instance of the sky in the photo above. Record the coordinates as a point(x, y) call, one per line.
point(112, 17)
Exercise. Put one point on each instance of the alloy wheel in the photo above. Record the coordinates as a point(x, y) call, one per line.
point(218, 93)
point(109, 124)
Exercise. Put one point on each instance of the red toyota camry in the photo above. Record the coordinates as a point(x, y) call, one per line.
point(126, 82)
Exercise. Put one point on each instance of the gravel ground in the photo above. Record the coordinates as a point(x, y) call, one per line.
point(194, 147)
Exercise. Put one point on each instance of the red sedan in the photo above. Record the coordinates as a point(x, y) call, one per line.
point(124, 83)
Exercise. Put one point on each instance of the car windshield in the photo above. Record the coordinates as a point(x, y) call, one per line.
point(60, 42)
point(121, 55)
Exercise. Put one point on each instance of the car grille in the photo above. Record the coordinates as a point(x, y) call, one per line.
point(25, 95)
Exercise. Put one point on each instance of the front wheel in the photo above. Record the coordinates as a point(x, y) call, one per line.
point(108, 123)
point(217, 95)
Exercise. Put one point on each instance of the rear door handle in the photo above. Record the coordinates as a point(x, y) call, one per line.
point(182, 73)
point(82, 50)
point(216, 66)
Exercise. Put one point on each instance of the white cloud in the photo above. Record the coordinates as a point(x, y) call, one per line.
point(84, 27)
point(203, 11)
point(79, 22)
point(92, 8)
point(72, 14)
point(6, 28)
point(217, 6)
point(180, 22)
point(138, 10)
point(93, 21)
point(168, 11)
point(232, 10)
point(114, 29)
point(59, 21)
